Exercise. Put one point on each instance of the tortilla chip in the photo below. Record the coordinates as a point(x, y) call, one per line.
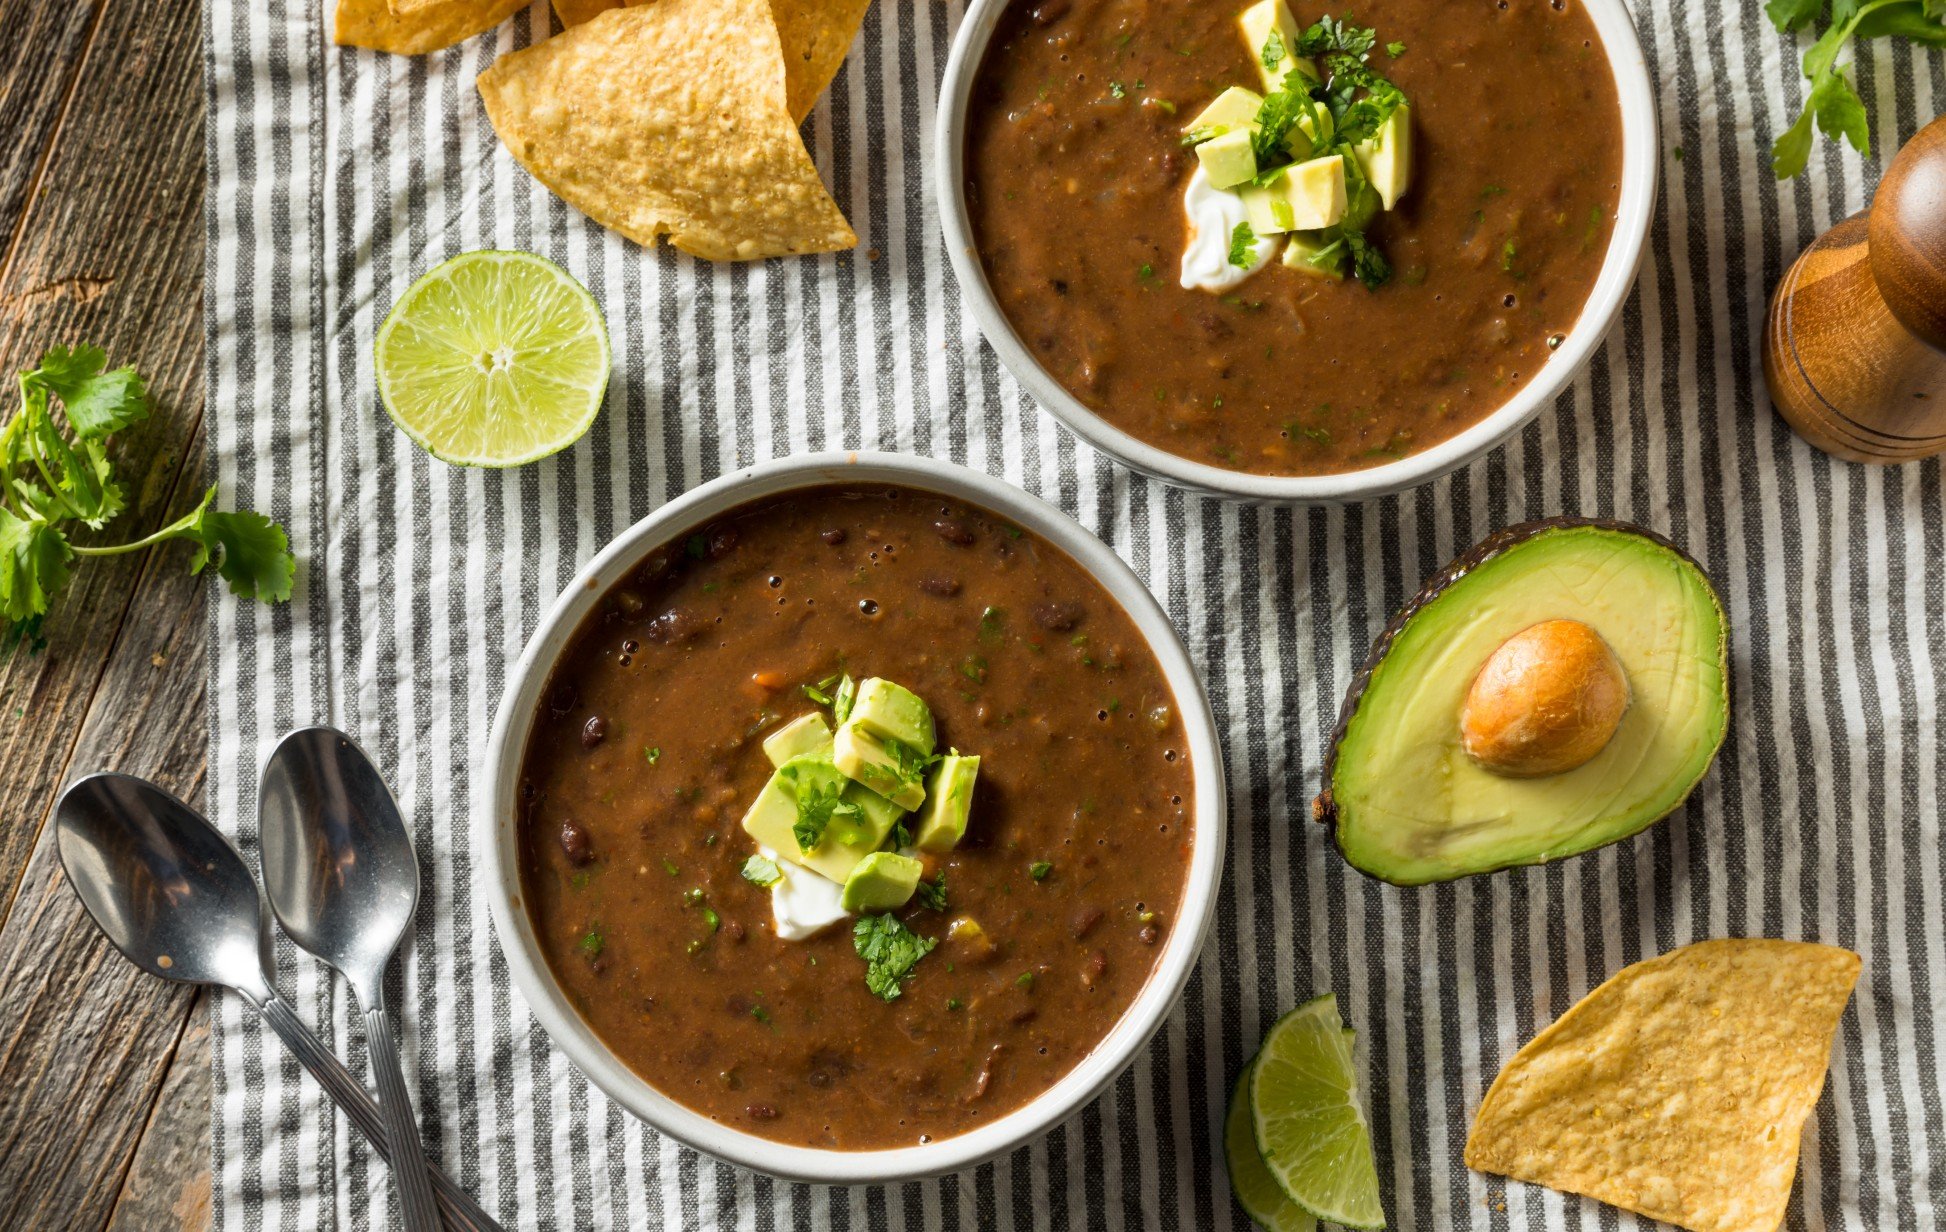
point(1677, 1089)
point(370, 23)
point(573, 12)
point(669, 118)
point(413, 8)
point(815, 36)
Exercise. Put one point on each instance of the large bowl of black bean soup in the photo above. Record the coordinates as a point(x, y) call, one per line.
point(853, 818)
point(1293, 251)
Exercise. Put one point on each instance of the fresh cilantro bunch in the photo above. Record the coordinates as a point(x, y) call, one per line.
point(54, 477)
point(1831, 103)
point(891, 951)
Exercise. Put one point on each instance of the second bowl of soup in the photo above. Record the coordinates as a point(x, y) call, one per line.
point(1290, 252)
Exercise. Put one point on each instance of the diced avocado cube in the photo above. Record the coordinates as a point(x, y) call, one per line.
point(1228, 160)
point(949, 801)
point(1313, 125)
point(805, 735)
point(1235, 108)
point(1309, 196)
point(1386, 156)
point(890, 712)
point(894, 771)
point(1258, 23)
point(849, 834)
point(1318, 253)
point(882, 881)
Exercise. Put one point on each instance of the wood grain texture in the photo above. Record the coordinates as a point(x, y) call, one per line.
point(1856, 373)
point(101, 181)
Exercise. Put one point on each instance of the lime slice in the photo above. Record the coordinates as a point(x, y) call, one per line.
point(1256, 1190)
point(493, 359)
point(1309, 1126)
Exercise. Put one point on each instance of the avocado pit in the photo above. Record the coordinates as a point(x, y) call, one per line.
point(1547, 700)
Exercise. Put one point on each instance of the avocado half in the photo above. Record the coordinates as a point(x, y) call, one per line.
point(1407, 804)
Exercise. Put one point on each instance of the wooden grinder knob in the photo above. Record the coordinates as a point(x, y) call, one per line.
point(1855, 344)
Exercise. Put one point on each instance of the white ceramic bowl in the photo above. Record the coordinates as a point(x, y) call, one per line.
point(495, 837)
point(1632, 215)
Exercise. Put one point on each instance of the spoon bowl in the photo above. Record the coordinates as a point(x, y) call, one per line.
point(338, 866)
point(165, 886)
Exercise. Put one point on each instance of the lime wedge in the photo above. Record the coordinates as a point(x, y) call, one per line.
point(1309, 1127)
point(1256, 1190)
point(493, 359)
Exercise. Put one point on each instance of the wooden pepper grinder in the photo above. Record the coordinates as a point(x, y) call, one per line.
point(1855, 344)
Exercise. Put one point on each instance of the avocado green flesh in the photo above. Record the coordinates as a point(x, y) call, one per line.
point(1411, 807)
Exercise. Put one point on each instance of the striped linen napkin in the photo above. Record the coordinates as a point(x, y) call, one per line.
point(337, 176)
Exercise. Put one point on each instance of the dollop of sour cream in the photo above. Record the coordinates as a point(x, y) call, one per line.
point(1213, 217)
point(802, 902)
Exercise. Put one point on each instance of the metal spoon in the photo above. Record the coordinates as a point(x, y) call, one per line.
point(177, 900)
point(339, 869)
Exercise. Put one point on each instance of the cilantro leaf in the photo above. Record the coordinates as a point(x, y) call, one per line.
point(932, 894)
point(891, 951)
point(34, 560)
point(819, 799)
point(97, 403)
point(1368, 264)
point(1273, 52)
point(1789, 15)
point(1243, 246)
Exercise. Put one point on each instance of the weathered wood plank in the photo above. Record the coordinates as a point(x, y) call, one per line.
point(85, 1038)
point(100, 216)
point(110, 251)
point(168, 1183)
point(40, 62)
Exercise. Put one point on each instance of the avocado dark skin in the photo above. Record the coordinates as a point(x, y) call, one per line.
point(1324, 807)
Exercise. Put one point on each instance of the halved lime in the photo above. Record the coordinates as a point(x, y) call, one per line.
point(1256, 1190)
point(493, 359)
point(1310, 1128)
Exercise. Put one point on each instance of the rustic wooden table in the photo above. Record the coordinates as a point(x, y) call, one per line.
point(104, 1072)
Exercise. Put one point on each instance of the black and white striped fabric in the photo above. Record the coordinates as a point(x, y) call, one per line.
point(337, 176)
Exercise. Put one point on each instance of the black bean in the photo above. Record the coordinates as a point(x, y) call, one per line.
point(575, 842)
point(629, 603)
point(1058, 617)
point(944, 587)
point(594, 731)
point(1086, 921)
point(675, 625)
point(1050, 12)
point(833, 537)
point(952, 531)
point(1148, 934)
point(721, 540)
point(562, 699)
point(761, 1112)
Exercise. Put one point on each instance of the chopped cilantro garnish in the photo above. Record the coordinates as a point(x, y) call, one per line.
point(1024, 980)
point(759, 871)
point(669, 867)
point(697, 547)
point(1395, 50)
point(901, 836)
point(1115, 88)
point(932, 894)
point(712, 919)
point(1039, 870)
point(1508, 251)
point(974, 668)
point(953, 1003)
point(843, 699)
point(651, 754)
point(817, 803)
point(817, 695)
point(1146, 272)
point(1273, 53)
point(891, 951)
point(594, 942)
point(1243, 246)
point(759, 1013)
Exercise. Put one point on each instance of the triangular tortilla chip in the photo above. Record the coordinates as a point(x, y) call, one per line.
point(815, 36)
point(669, 119)
point(371, 23)
point(1678, 1088)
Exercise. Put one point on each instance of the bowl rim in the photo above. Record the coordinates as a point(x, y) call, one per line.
point(496, 844)
point(1635, 208)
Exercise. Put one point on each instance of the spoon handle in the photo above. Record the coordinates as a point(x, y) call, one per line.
point(462, 1213)
point(409, 1168)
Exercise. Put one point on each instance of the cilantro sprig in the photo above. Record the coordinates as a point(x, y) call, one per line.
point(891, 951)
point(1832, 104)
point(52, 477)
